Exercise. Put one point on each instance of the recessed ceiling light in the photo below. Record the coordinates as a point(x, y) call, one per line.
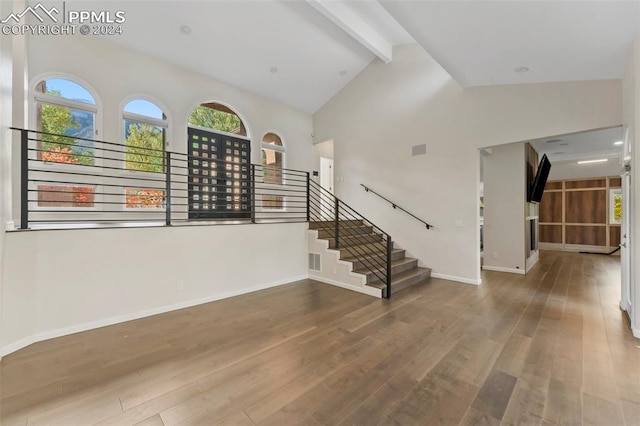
point(185, 29)
point(273, 70)
point(618, 143)
point(342, 73)
point(600, 160)
point(521, 70)
point(554, 140)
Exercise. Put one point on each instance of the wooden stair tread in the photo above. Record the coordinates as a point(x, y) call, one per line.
point(398, 262)
point(370, 255)
point(400, 278)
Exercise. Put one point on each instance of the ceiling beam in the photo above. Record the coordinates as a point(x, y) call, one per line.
point(350, 22)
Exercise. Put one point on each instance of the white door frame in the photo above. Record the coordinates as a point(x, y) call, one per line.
point(626, 249)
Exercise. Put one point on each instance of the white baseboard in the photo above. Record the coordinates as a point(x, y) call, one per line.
point(458, 279)
point(501, 269)
point(531, 261)
point(46, 335)
point(370, 291)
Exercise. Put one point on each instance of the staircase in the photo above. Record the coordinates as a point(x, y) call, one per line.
point(363, 247)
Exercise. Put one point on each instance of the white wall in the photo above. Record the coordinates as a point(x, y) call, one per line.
point(335, 271)
point(572, 170)
point(116, 73)
point(59, 282)
point(56, 282)
point(504, 208)
point(631, 101)
point(386, 109)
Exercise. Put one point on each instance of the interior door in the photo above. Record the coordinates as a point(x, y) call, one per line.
point(326, 181)
point(625, 229)
point(219, 179)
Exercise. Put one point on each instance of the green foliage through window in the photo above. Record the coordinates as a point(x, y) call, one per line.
point(144, 146)
point(210, 118)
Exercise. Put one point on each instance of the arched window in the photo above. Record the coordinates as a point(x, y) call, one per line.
point(66, 111)
point(145, 132)
point(272, 162)
point(145, 129)
point(212, 115)
point(272, 158)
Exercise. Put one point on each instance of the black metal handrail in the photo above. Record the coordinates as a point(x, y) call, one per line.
point(395, 206)
point(57, 189)
point(330, 214)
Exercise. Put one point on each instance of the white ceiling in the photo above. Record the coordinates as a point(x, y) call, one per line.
point(478, 42)
point(581, 146)
point(239, 42)
point(482, 42)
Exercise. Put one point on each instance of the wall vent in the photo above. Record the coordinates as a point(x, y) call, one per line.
point(419, 149)
point(314, 261)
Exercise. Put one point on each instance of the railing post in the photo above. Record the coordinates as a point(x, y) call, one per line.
point(253, 193)
point(24, 179)
point(389, 251)
point(308, 200)
point(337, 223)
point(167, 189)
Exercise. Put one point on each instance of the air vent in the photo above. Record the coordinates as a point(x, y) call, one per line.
point(314, 261)
point(554, 140)
point(419, 149)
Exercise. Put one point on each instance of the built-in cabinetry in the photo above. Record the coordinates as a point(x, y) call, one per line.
point(579, 214)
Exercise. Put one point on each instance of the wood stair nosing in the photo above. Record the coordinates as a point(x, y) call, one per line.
point(403, 280)
point(356, 240)
point(346, 232)
point(359, 261)
point(316, 224)
point(360, 250)
point(397, 266)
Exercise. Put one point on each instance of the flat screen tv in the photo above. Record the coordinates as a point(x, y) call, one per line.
point(537, 186)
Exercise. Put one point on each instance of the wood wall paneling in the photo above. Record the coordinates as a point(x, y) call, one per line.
point(615, 182)
point(586, 206)
point(614, 235)
point(586, 235)
point(551, 234)
point(586, 183)
point(551, 207)
point(553, 185)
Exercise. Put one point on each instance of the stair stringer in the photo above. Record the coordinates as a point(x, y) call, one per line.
point(330, 261)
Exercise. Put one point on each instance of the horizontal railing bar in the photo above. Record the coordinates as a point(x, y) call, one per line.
point(76, 137)
point(112, 185)
point(96, 149)
point(64, 172)
point(97, 176)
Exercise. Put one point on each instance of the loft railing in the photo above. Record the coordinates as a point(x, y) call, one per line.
point(70, 182)
point(395, 206)
point(334, 216)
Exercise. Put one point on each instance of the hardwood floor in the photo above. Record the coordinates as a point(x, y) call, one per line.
point(551, 348)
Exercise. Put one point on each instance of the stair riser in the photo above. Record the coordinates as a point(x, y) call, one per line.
point(396, 287)
point(394, 270)
point(360, 251)
point(359, 264)
point(345, 232)
point(355, 241)
point(324, 224)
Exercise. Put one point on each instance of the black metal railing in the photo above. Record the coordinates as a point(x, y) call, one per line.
point(372, 250)
point(395, 206)
point(70, 181)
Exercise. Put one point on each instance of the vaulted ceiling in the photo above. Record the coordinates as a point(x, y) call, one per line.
point(303, 52)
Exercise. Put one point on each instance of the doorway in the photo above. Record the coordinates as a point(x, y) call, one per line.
point(326, 181)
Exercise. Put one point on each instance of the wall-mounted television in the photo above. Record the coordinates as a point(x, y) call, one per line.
point(539, 182)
